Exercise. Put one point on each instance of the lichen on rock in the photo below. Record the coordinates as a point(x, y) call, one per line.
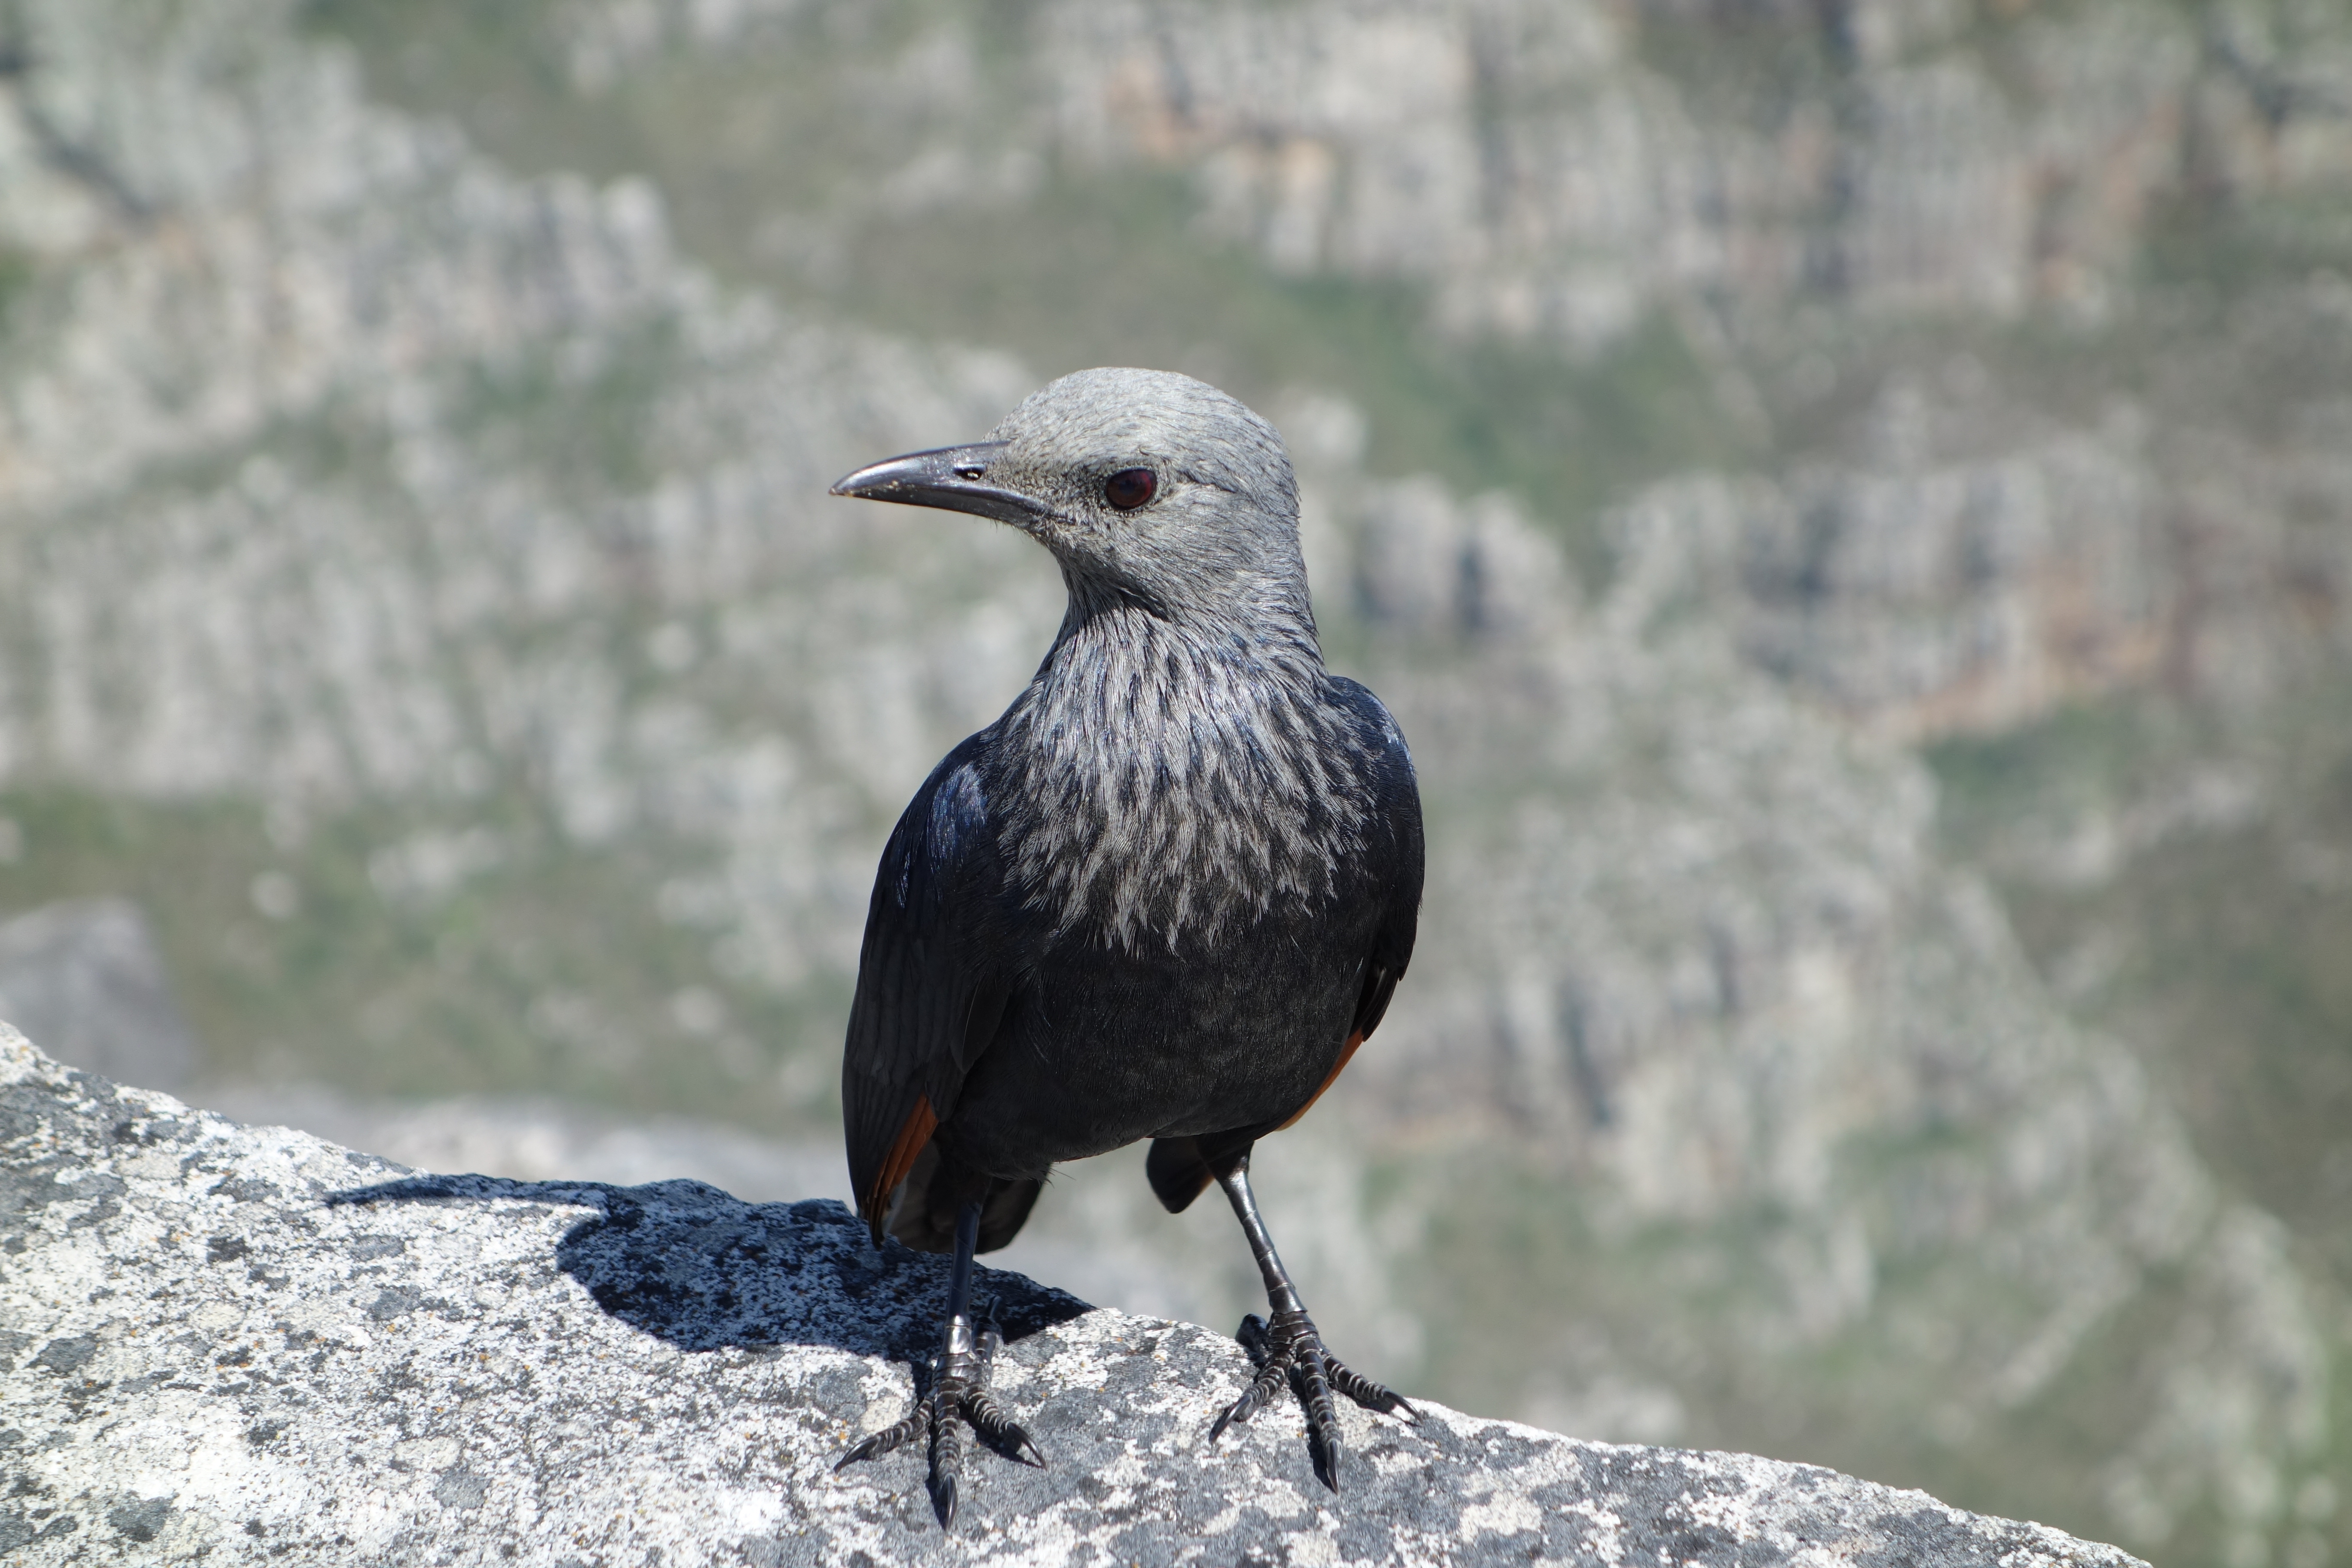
point(246, 1345)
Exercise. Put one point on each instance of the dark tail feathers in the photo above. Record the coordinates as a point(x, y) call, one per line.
point(1181, 1169)
point(924, 1217)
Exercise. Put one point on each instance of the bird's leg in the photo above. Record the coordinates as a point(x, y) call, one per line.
point(958, 1393)
point(1288, 1347)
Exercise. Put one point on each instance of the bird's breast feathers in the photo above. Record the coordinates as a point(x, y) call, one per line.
point(1164, 796)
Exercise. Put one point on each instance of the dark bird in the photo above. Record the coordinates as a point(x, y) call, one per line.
point(1165, 896)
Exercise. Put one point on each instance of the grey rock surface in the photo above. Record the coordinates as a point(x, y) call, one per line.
point(248, 1344)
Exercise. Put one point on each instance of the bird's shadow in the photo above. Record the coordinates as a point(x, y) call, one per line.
point(703, 1270)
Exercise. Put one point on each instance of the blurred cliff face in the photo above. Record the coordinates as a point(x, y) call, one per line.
point(1827, 490)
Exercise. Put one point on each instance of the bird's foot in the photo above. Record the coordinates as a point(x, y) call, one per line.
point(957, 1397)
point(1290, 1349)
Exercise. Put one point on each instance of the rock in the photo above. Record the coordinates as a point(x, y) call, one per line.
point(85, 975)
point(1556, 169)
point(242, 1342)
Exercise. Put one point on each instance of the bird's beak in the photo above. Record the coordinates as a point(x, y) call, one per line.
point(950, 477)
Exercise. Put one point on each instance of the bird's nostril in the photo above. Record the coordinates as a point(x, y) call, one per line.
point(969, 471)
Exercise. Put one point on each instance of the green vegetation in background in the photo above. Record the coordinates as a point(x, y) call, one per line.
point(300, 956)
point(764, 156)
point(2082, 755)
point(1749, 64)
point(1099, 270)
point(2219, 952)
point(2219, 949)
point(17, 274)
point(545, 965)
point(583, 428)
point(2224, 247)
point(1522, 1285)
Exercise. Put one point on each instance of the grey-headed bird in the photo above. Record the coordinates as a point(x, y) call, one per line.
point(1165, 896)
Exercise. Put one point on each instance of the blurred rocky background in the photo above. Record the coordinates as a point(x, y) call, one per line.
point(1850, 500)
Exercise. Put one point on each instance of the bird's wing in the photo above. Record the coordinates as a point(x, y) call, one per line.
point(932, 981)
point(1397, 839)
point(1396, 847)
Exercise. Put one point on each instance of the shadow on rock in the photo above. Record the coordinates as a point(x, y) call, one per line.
point(691, 1265)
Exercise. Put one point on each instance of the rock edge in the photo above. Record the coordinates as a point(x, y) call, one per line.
point(248, 1344)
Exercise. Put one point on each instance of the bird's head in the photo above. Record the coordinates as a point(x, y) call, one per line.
point(1150, 488)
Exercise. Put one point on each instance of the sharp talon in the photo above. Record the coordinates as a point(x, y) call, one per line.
point(895, 1435)
point(1001, 1431)
point(1262, 1388)
point(1327, 1469)
point(955, 1404)
point(1324, 1448)
point(1364, 1391)
point(1289, 1350)
point(1314, 1388)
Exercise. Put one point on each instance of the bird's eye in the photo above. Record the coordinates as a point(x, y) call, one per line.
point(1130, 488)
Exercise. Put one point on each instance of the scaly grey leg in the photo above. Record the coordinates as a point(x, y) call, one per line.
point(1288, 1347)
point(959, 1392)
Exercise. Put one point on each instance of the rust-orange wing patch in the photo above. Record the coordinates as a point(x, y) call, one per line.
point(915, 1131)
point(1339, 1066)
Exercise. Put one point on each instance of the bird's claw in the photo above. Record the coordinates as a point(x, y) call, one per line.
point(957, 1397)
point(1000, 1431)
point(1290, 1349)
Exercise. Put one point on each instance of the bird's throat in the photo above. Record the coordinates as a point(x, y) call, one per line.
point(1177, 779)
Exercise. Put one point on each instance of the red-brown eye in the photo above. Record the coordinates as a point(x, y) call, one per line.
point(1130, 488)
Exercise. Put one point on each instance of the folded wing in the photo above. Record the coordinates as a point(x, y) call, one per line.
point(932, 981)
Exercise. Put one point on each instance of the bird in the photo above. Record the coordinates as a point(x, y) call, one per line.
point(1166, 894)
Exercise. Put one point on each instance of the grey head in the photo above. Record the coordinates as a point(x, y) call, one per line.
point(1152, 490)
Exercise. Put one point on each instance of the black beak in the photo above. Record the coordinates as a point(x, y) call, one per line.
point(950, 478)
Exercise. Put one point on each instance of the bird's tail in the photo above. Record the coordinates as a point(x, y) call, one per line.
point(923, 1212)
point(1181, 1169)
